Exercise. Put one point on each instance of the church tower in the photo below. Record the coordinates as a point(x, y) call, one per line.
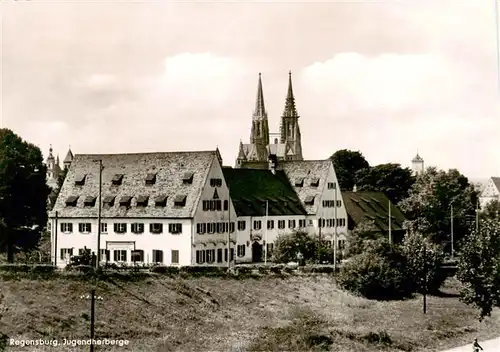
point(289, 129)
point(259, 135)
point(417, 165)
point(53, 169)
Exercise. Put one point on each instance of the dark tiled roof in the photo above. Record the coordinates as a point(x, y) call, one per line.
point(496, 182)
point(250, 188)
point(309, 171)
point(168, 167)
point(365, 206)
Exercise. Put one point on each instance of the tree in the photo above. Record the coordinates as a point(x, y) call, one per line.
point(428, 206)
point(23, 193)
point(347, 164)
point(287, 247)
point(491, 210)
point(424, 260)
point(391, 179)
point(478, 268)
point(361, 238)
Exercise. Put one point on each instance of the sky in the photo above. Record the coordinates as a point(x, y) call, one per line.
point(386, 78)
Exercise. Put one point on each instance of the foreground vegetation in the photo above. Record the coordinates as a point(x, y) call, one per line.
point(270, 313)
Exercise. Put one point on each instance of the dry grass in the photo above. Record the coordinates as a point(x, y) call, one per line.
point(215, 314)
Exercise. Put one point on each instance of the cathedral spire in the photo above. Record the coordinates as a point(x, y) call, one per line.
point(260, 109)
point(290, 110)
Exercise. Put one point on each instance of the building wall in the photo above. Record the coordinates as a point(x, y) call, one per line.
point(127, 241)
point(208, 241)
point(489, 193)
point(251, 235)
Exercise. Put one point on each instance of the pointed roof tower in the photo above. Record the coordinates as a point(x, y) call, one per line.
point(290, 109)
point(51, 156)
point(69, 156)
point(57, 160)
point(241, 152)
point(260, 109)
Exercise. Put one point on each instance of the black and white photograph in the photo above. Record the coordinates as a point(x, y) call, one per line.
point(249, 176)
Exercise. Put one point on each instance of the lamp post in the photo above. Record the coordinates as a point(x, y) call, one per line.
point(335, 229)
point(451, 219)
point(92, 298)
point(99, 215)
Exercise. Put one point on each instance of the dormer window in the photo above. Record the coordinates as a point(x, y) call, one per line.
point(187, 178)
point(309, 200)
point(142, 201)
point(150, 179)
point(125, 201)
point(161, 201)
point(117, 179)
point(315, 182)
point(80, 180)
point(89, 201)
point(109, 201)
point(180, 200)
point(71, 201)
point(299, 182)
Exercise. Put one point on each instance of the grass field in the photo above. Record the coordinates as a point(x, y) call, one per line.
point(216, 314)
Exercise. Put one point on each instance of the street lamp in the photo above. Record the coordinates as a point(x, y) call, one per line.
point(92, 298)
point(452, 251)
point(99, 215)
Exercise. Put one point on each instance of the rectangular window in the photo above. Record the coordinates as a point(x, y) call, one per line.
point(201, 228)
point(210, 256)
point(200, 257)
point(84, 227)
point(206, 205)
point(281, 224)
point(232, 254)
point(175, 256)
point(137, 255)
point(269, 247)
point(241, 250)
point(120, 227)
point(157, 256)
point(156, 228)
point(331, 185)
point(105, 255)
point(216, 182)
point(220, 258)
point(291, 224)
point(66, 227)
point(104, 227)
point(226, 205)
point(137, 228)
point(231, 227)
point(211, 228)
point(339, 203)
point(270, 224)
point(242, 225)
point(257, 224)
point(302, 223)
point(175, 228)
point(120, 255)
point(66, 253)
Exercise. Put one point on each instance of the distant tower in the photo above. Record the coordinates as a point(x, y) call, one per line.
point(68, 159)
point(289, 129)
point(259, 135)
point(53, 169)
point(241, 156)
point(417, 165)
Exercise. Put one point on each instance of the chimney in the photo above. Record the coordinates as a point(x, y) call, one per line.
point(273, 160)
point(354, 189)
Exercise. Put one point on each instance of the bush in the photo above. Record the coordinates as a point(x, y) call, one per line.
point(161, 269)
point(204, 270)
point(287, 247)
point(15, 268)
point(377, 274)
point(43, 269)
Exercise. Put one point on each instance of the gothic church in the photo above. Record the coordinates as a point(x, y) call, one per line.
point(286, 145)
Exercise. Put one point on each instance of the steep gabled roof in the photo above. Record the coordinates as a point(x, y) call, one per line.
point(69, 157)
point(496, 182)
point(308, 170)
point(366, 206)
point(250, 188)
point(168, 167)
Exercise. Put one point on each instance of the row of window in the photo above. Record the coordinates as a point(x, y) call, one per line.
point(331, 222)
point(121, 228)
point(150, 179)
point(331, 203)
point(215, 205)
point(120, 255)
point(126, 201)
point(209, 255)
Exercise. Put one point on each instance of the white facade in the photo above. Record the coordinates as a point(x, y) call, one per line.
point(167, 242)
point(491, 191)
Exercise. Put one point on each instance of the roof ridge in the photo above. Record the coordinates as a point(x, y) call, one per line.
point(149, 153)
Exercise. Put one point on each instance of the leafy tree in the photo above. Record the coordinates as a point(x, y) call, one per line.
point(491, 210)
point(478, 268)
point(391, 179)
point(361, 238)
point(347, 164)
point(428, 206)
point(286, 247)
point(424, 260)
point(23, 193)
point(378, 273)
